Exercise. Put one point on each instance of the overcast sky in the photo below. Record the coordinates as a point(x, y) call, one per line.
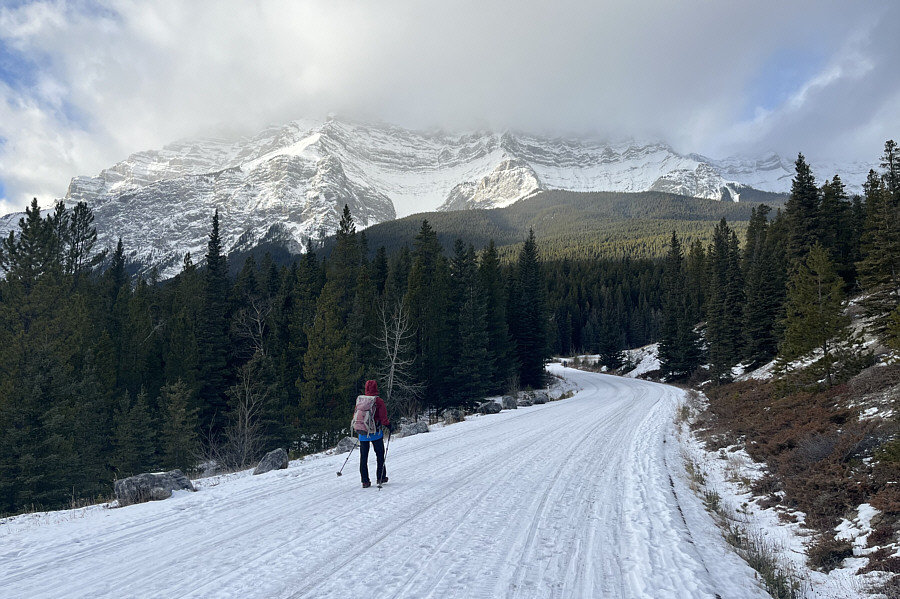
point(86, 83)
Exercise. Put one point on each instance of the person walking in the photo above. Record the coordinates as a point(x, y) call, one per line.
point(372, 434)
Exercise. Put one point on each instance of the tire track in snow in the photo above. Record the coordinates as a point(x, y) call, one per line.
point(565, 500)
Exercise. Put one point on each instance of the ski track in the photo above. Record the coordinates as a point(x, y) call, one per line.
point(585, 497)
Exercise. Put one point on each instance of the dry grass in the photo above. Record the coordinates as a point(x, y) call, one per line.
point(822, 458)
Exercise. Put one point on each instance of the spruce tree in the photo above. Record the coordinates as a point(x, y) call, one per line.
point(610, 346)
point(802, 212)
point(696, 279)
point(179, 426)
point(879, 268)
point(363, 324)
point(380, 270)
point(331, 370)
point(32, 252)
point(470, 366)
point(115, 276)
point(890, 162)
point(213, 336)
point(679, 344)
point(428, 301)
point(531, 335)
point(499, 344)
point(134, 436)
point(814, 318)
point(182, 347)
point(307, 286)
point(836, 228)
point(725, 303)
point(764, 284)
point(81, 239)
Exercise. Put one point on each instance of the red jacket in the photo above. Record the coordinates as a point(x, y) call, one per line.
point(381, 416)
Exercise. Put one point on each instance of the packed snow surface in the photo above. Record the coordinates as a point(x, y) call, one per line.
point(583, 497)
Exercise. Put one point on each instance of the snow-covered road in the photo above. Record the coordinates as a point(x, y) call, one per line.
point(584, 497)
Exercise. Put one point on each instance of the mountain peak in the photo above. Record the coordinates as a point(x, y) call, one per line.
point(299, 176)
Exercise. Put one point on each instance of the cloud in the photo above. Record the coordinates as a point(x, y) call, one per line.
point(86, 83)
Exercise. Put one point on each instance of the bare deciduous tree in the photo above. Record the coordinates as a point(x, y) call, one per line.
point(251, 323)
point(242, 442)
point(394, 342)
point(248, 396)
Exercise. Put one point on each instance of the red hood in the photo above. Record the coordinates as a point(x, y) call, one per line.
point(371, 388)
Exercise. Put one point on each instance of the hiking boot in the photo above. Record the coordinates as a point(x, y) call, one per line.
point(366, 485)
point(383, 480)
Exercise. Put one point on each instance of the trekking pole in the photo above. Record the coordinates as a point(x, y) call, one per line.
point(348, 456)
point(386, 447)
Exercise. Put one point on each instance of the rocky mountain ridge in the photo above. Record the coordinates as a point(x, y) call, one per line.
point(289, 184)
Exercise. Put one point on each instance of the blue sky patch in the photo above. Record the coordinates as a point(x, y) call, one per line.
point(783, 74)
point(16, 70)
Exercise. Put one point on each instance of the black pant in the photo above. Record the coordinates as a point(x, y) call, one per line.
point(378, 444)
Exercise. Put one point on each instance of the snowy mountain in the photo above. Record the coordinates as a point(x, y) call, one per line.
point(290, 183)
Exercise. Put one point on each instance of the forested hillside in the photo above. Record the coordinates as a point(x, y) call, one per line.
point(784, 292)
point(813, 295)
point(102, 376)
point(578, 226)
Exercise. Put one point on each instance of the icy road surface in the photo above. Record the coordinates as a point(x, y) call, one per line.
point(584, 497)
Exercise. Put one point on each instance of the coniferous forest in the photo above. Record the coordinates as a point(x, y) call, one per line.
point(103, 376)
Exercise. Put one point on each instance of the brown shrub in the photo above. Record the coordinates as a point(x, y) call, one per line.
point(817, 453)
point(875, 379)
point(881, 561)
point(811, 443)
point(827, 553)
point(883, 534)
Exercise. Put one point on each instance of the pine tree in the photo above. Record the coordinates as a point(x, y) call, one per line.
point(531, 336)
point(182, 347)
point(890, 162)
point(427, 297)
point(213, 337)
point(308, 285)
point(610, 346)
point(330, 368)
point(33, 252)
point(879, 268)
point(764, 284)
point(802, 212)
point(679, 344)
point(470, 367)
point(179, 426)
point(836, 228)
point(60, 229)
point(380, 270)
point(499, 344)
point(330, 372)
point(81, 239)
point(814, 317)
point(725, 303)
point(134, 436)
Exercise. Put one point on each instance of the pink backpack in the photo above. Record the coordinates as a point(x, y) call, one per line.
point(364, 415)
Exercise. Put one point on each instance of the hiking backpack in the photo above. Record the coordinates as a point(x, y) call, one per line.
point(364, 415)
